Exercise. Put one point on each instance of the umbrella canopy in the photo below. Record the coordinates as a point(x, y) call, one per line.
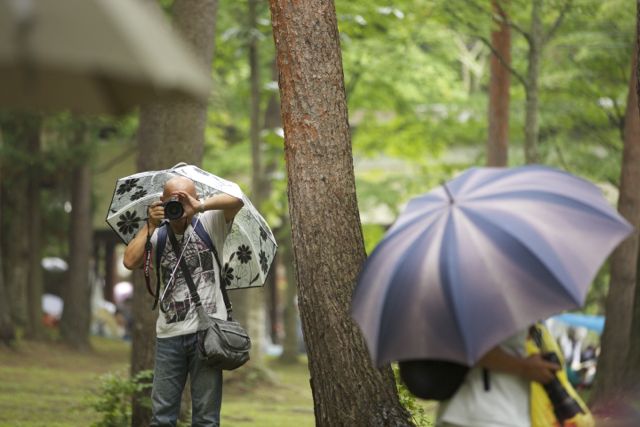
point(250, 246)
point(92, 56)
point(470, 263)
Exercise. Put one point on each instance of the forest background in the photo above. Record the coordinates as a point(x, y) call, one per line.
point(417, 81)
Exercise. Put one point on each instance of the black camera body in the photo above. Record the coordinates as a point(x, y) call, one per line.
point(173, 209)
point(564, 406)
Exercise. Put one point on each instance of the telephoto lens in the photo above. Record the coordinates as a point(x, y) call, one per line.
point(173, 209)
point(564, 406)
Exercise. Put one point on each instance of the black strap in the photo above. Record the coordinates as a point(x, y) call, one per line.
point(486, 379)
point(185, 270)
point(147, 269)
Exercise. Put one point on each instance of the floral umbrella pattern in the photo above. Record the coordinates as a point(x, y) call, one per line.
point(250, 246)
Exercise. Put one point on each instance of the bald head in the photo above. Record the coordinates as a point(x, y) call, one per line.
point(179, 183)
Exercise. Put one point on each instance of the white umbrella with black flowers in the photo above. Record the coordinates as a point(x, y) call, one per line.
point(250, 246)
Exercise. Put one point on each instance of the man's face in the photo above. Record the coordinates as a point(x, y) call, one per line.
point(170, 192)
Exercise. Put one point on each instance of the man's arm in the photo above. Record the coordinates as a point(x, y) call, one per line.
point(228, 204)
point(532, 368)
point(134, 252)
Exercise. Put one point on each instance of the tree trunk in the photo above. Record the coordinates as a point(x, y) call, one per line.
point(76, 316)
point(531, 126)
point(251, 303)
point(169, 133)
point(327, 238)
point(623, 315)
point(291, 317)
point(16, 130)
point(143, 343)
point(7, 329)
point(498, 141)
point(35, 284)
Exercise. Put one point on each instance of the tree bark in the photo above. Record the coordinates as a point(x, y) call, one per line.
point(76, 316)
point(327, 238)
point(531, 126)
point(498, 141)
point(617, 368)
point(169, 133)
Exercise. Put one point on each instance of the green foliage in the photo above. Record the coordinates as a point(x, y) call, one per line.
point(113, 398)
point(409, 401)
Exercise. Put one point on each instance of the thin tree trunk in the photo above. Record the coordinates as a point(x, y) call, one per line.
point(251, 302)
point(7, 329)
point(327, 238)
point(76, 316)
point(291, 317)
point(34, 217)
point(531, 126)
point(623, 315)
point(498, 141)
point(169, 133)
point(143, 343)
point(15, 203)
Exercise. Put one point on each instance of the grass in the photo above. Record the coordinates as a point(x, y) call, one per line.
point(45, 384)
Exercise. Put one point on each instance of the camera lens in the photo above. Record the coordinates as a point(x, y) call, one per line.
point(173, 210)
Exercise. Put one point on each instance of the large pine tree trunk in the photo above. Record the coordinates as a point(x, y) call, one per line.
point(169, 133)
point(613, 370)
point(498, 141)
point(531, 125)
point(327, 238)
point(76, 316)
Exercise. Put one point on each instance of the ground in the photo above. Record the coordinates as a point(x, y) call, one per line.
point(45, 384)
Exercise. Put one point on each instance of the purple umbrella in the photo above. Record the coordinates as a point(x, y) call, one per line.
point(470, 263)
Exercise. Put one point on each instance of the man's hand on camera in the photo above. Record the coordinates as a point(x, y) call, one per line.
point(189, 203)
point(156, 214)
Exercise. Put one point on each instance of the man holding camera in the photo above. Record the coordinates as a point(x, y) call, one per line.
point(176, 354)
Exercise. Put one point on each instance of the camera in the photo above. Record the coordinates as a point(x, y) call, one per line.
point(173, 209)
point(564, 406)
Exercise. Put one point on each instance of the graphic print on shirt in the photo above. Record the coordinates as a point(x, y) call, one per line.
point(178, 304)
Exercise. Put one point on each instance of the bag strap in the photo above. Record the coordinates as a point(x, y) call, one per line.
point(204, 236)
point(202, 233)
point(193, 291)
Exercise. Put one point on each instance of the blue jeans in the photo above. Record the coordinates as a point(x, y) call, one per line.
point(177, 357)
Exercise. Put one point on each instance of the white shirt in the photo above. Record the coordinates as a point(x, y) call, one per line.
point(181, 317)
point(506, 403)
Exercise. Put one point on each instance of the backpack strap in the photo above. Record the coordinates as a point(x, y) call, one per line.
point(160, 244)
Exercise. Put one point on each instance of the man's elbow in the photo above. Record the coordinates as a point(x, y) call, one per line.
point(130, 264)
